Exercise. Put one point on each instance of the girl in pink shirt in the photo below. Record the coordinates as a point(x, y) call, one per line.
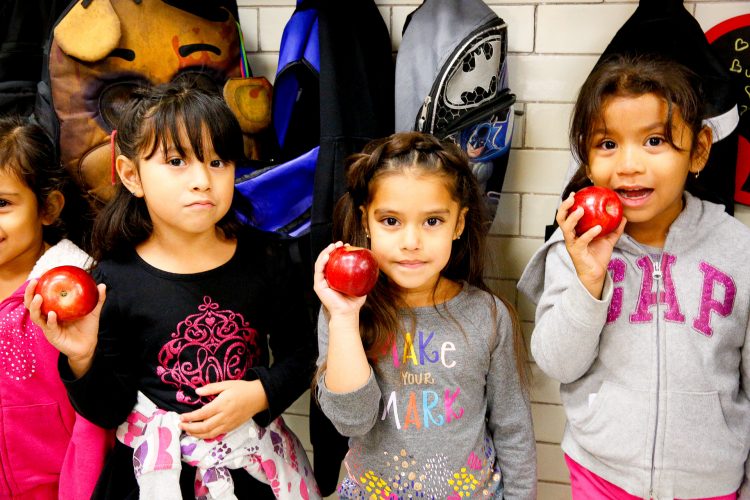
point(47, 451)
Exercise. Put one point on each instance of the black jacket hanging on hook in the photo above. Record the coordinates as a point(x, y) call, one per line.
point(356, 106)
point(666, 28)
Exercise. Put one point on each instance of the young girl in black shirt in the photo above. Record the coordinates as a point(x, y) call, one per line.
point(177, 355)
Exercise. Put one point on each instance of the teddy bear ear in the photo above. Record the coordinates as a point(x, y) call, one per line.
point(89, 31)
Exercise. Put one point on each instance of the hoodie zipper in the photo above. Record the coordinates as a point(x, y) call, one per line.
point(656, 275)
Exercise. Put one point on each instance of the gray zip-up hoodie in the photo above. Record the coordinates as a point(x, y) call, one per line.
point(655, 377)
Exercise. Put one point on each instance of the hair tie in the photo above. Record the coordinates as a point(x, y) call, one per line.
point(112, 148)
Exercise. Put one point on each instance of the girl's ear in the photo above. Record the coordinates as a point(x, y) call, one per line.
point(128, 173)
point(460, 223)
point(702, 149)
point(52, 208)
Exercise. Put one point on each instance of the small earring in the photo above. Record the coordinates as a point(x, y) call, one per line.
point(458, 237)
point(697, 174)
point(367, 235)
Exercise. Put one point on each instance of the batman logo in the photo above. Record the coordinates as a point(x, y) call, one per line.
point(476, 78)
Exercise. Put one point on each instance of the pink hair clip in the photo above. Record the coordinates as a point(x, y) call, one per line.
point(112, 148)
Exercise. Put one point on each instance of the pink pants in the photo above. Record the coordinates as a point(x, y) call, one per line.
point(585, 485)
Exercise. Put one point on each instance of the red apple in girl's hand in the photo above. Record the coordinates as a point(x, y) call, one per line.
point(601, 207)
point(351, 270)
point(69, 291)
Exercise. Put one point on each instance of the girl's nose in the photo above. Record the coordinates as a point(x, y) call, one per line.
point(630, 161)
point(200, 179)
point(410, 238)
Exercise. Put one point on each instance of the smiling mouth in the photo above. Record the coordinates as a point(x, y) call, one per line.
point(634, 194)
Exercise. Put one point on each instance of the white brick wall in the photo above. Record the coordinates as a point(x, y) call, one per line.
point(553, 45)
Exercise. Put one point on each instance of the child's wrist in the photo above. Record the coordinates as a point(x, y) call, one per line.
point(344, 320)
point(80, 365)
point(595, 287)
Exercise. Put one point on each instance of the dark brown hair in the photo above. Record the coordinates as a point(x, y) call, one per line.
point(154, 120)
point(634, 76)
point(27, 152)
point(379, 320)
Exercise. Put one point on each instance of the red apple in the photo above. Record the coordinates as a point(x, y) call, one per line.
point(69, 291)
point(601, 207)
point(351, 270)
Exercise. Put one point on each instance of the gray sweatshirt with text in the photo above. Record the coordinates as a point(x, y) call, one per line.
point(655, 377)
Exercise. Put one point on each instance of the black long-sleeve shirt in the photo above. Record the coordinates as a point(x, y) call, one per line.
point(166, 334)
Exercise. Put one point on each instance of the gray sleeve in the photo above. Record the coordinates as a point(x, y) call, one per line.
point(351, 413)
point(509, 418)
point(565, 341)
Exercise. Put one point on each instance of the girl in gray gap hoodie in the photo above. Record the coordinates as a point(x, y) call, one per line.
point(646, 327)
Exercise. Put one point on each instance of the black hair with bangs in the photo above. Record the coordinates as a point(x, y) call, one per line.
point(158, 119)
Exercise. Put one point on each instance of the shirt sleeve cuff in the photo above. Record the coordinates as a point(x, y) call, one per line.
point(354, 412)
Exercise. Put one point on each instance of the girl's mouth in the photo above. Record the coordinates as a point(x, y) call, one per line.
point(410, 263)
point(634, 194)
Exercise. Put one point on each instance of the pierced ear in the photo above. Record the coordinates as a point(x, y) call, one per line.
point(702, 149)
point(128, 173)
point(52, 208)
point(587, 170)
point(460, 223)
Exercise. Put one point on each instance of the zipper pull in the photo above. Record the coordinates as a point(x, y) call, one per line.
point(423, 114)
point(657, 271)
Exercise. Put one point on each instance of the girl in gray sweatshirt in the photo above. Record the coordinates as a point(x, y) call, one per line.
point(646, 327)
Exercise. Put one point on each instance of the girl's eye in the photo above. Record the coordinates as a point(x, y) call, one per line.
point(655, 141)
point(607, 144)
point(4, 203)
point(176, 162)
point(433, 221)
point(390, 221)
point(217, 163)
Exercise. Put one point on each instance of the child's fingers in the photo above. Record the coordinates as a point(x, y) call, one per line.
point(35, 310)
point(196, 416)
point(49, 327)
point(615, 235)
point(320, 285)
point(320, 262)
point(589, 236)
point(204, 429)
point(568, 223)
point(28, 294)
point(562, 211)
point(621, 228)
point(211, 389)
point(568, 202)
point(96, 312)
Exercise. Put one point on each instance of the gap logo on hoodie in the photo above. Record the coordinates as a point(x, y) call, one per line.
point(717, 294)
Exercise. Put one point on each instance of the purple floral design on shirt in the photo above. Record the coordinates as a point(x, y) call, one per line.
point(211, 346)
